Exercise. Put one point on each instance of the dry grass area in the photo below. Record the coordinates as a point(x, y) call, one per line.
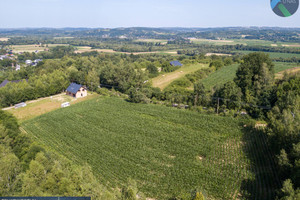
point(217, 54)
point(3, 39)
point(291, 45)
point(151, 40)
point(274, 45)
point(171, 52)
point(162, 81)
point(63, 37)
point(33, 48)
point(44, 105)
point(83, 49)
point(294, 70)
point(206, 40)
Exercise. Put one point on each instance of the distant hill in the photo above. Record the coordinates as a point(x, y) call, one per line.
point(263, 33)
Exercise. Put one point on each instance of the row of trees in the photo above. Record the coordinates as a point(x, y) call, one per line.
point(283, 130)
point(33, 88)
point(54, 75)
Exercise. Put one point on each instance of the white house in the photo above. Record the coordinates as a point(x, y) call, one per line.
point(76, 90)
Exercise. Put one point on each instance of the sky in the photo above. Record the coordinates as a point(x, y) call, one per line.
point(141, 13)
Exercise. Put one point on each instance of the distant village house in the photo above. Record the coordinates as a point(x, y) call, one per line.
point(175, 63)
point(76, 90)
point(33, 63)
point(5, 82)
point(18, 67)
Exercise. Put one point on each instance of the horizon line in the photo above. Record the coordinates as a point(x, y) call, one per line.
point(162, 27)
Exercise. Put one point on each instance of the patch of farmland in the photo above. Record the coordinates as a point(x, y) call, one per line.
point(152, 40)
point(221, 76)
point(281, 66)
point(250, 42)
point(217, 54)
point(3, 39)
point(82, 49)
point(33, 48)
point(166, 150)
point(274, 54)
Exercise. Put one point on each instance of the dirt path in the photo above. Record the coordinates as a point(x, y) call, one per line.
point(280, 75)
point(36, 100)
point(164, 80)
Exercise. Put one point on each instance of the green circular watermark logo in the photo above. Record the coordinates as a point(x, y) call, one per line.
point(284, 8)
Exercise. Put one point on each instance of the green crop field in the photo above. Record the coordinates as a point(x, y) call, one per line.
point(274, 54)
point(227, 73)
point(166, 150)
point(221, 76)
point(250, 42)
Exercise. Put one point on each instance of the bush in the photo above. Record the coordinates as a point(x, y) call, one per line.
point(103, 91)
point(217, 64)
point(182, 82)
point(137, 96)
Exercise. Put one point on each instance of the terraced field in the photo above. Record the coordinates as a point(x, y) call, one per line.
point(166, 150)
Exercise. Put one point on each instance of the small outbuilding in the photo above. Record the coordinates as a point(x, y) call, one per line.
point(76, 90)
point(175, 63)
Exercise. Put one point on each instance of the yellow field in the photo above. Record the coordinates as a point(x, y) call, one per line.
point(43, 105)
point(63, 37)
point(207, 40)
point(3, 39)
point(82, 49)
point(217, 54)
point(32, 48)
point(152, 40)
point(291, 45)
point(162, 81)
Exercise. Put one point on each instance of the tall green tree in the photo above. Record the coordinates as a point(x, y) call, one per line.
point(200, 97)
point(92, 80)
point(255, 77)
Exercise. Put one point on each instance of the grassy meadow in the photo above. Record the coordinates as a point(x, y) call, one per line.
point(166, 150)
point(32, 48)
point(163, 80)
